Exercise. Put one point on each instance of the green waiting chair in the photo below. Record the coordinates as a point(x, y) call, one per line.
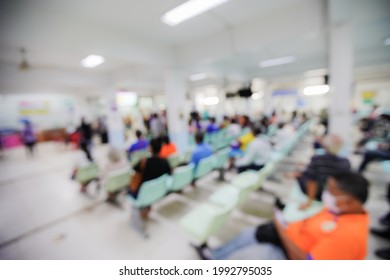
point(118, 180)
point(229, 194)
point(87, 173)
point(221, 158)
point(187, 156)
point(207, 138)
point(251, 179)
point(137, 156)
point(272, 130)
point(174, 160)
point(277, 157)
point(291, 211)
point(205, 166)
point(150, 192)
point(182, 177)
point(246, 180)
point(205, 220)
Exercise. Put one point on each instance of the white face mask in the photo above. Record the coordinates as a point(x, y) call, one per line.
point(330, 202)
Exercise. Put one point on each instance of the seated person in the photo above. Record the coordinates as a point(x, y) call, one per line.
point(239, 147)
point(379, 129)
point(233, 129)
point(283, 135)
point(339, 232)
point(381, 153)
point(168, 148)
point(212, 127)
point(384, 233)
point(257, 154)
point(202, 150)
point(140, 144)
point(313, 179)
point(115, 162)
point(83, 158)
point(225, 122)
point(151, 168)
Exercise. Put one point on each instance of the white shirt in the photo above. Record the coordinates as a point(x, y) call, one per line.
point(156, 127)
point(283, 136)
point(258, 152)
point(233, 129)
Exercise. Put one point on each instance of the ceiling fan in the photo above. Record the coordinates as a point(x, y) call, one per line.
point(24, 65)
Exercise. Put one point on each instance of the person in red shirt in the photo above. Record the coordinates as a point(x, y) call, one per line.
point(168, 148)
point(339, 232)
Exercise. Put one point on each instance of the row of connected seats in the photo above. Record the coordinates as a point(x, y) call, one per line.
point(184, 175)
point(206, 219)
point(154, 190)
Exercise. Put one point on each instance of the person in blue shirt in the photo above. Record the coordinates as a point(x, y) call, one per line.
point(201, 151)
point(212, 127)
point(140, 144)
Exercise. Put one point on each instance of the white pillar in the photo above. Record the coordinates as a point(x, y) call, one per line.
point(267, 101)
point(248, 110)
point(175, 90)
point(115, 125)
point(221, 104)
point(341, 83)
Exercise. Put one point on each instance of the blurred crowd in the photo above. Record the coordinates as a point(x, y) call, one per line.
point(339, 232)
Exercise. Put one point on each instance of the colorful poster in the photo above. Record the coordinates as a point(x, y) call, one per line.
point(29, 108)
point(368, 97)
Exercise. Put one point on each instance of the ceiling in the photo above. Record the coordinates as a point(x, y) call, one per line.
point(229, 40)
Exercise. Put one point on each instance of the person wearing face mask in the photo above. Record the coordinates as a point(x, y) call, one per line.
point(340, 231)
point(321, 166)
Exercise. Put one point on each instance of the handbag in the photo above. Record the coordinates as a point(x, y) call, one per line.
point(136, 180)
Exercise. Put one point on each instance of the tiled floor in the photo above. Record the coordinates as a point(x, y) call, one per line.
point(43, 215)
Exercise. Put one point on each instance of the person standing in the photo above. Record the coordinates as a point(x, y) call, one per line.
point(85, 138)
point(28, 137)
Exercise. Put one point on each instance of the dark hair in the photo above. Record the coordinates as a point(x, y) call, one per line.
point(199, 137)
point(256, 129)
point(281, 125)
point(155, 145)
point(353, 184)
point(246, 120)
point(165, 139)
point(138, 133)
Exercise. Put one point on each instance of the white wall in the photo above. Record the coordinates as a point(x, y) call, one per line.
point(62, 109)
point(381, 90)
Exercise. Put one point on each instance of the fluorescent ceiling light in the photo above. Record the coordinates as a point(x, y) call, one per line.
point(188, 10)
point(257, 95)
point(386, 42)
point(277, 61)
point(198, 77)
point(92, 61)
point(316, 90)
point(212, 100)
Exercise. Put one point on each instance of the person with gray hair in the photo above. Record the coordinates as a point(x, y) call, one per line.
point(312, 180)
